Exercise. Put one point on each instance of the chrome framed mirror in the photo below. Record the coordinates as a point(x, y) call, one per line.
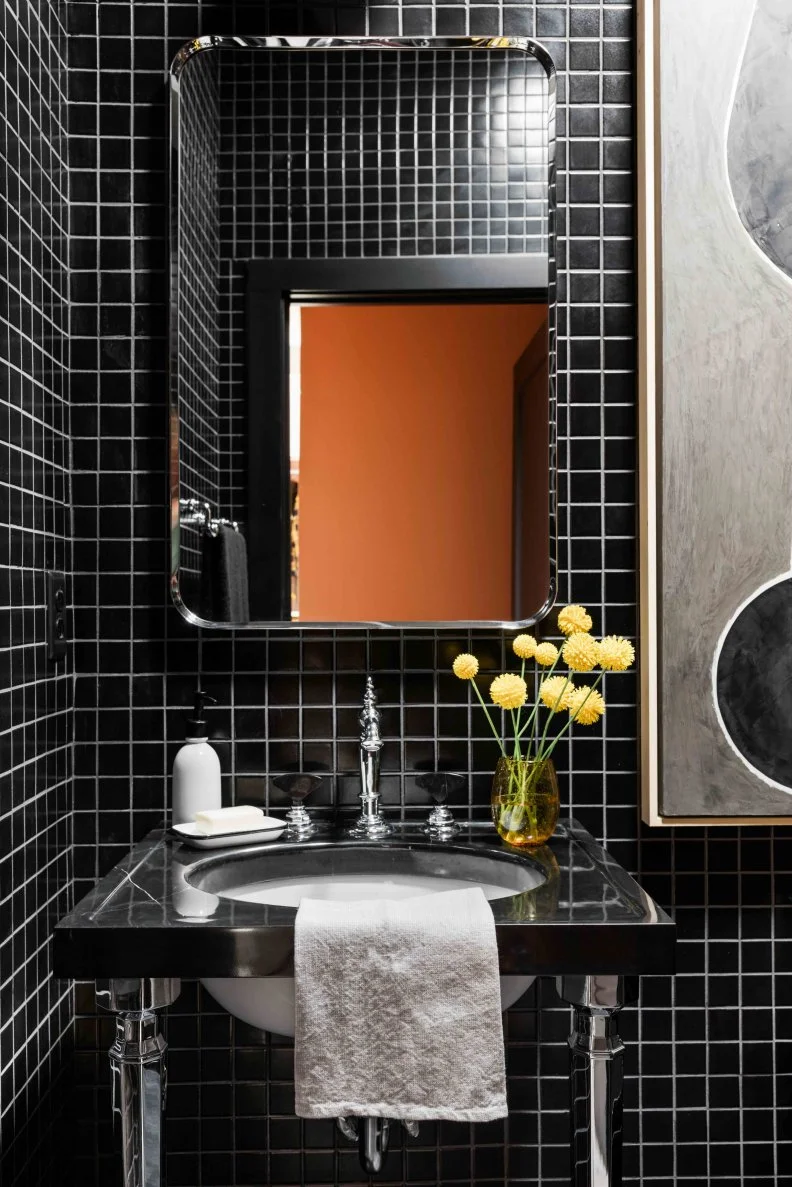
point(362, 332)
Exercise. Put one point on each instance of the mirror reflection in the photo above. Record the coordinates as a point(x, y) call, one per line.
point(362, 332)
point(412, 430)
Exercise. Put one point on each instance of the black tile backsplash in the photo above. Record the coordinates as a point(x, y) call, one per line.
point(708, 1091)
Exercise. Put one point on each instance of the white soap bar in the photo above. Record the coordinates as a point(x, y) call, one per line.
point(241, 819)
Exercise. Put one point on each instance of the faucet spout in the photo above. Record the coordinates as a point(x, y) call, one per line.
point(370, 823)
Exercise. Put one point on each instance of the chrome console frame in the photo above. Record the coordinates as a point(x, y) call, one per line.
point(198, 45)
point(138, 1069)
point(596, 1076)
point(139, 1073)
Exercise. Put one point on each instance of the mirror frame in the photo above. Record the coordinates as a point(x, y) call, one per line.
point(515, 277)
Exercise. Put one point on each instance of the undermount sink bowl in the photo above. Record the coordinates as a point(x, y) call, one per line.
point(282, 876)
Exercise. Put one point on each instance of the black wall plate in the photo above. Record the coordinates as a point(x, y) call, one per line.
point(56, 617)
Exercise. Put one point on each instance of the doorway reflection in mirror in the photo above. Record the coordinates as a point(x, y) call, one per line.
point(418, 461)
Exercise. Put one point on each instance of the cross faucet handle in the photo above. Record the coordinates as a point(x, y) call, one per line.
point(441, 825)
point(298, 787)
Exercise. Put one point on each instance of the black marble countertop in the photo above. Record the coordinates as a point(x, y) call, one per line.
point(149, 918)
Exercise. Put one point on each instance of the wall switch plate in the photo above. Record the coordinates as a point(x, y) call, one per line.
point(56, 617)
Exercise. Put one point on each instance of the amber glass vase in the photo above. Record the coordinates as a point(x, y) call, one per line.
point(525, 800)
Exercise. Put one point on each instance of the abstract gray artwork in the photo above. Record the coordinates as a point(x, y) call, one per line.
point(724, 456)
point(760, 133)
point(753, 679)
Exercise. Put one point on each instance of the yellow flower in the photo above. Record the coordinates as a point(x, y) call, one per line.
point(465, 666)
point(546, 654)
point(508, 691)
point(524, 646)
point(615, 653)
point(573, 620)
point(581, 652)
point(556, 692)
point(589, 712)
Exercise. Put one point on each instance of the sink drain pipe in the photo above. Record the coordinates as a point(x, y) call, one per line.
point(372, 1135)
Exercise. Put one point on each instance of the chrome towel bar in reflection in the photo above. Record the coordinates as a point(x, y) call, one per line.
point(195, 514)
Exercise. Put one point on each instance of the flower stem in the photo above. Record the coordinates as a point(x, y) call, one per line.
point(518, 802)
point(535, 715)
point(497, 733)
point(536, 698)
point(515, 716)
point(553, 712)
point(517, 732)
point(572, 720)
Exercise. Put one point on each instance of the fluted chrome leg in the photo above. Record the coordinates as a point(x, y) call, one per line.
point(138, 1070)
point(596, 1076)
point(373, 1143)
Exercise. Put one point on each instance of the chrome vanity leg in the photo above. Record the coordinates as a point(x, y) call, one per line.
point(137, 1064)
point(596, 1076)
point(373, 1143)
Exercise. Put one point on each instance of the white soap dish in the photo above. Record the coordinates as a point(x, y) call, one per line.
point(189, 835)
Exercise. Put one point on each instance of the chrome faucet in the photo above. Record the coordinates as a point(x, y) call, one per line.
point(370, 823)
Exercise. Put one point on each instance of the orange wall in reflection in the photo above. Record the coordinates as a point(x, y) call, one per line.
point(406, 460)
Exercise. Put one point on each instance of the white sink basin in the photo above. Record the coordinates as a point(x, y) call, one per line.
point(352, 888)
point(348, 874)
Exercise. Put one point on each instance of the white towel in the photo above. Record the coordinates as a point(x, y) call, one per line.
point(398, 1009)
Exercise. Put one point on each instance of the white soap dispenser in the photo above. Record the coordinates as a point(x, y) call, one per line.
point(196, 768)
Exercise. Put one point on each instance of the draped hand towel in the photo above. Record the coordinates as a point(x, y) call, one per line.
point(398, 1009)
point(224, 576)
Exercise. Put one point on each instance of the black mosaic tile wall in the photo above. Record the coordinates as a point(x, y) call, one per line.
point(708, 1086)
point(198, 327)
point(381, 154)
point(35, 695)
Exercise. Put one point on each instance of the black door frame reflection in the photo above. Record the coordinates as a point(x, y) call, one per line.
point(274, 285)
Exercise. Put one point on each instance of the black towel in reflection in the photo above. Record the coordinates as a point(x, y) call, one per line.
point(224, 577)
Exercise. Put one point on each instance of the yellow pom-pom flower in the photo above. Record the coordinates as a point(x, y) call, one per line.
point(615, 653)
point(555, 692)
point(573, 620)
point(586, 705)
point(465, 666)
point(508, 691)
point(546, 654)
point(581, 652)
point(524, 646)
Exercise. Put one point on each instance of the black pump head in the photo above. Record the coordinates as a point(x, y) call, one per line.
point(196, 725)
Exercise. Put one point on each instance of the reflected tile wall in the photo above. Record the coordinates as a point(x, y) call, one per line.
point(198, 326)
point(312, 164)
